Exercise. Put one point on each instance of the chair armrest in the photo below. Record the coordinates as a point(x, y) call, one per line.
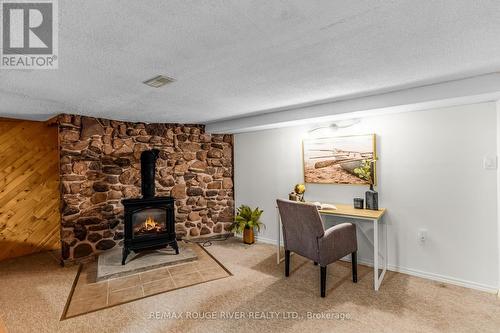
point(337, 242)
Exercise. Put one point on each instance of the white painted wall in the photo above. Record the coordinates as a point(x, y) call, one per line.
point(498, 192)
point(430, 175)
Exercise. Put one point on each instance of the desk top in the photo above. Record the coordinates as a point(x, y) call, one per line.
point(349, 210)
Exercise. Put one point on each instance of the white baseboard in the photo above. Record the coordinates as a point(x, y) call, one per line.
point(418, 273)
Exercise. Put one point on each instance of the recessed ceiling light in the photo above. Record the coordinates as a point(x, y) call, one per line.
point(158, 81)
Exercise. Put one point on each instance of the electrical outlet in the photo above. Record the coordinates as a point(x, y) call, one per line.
point(490, 162)
point(422, 235)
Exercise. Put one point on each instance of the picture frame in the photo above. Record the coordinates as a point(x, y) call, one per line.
point(349, 160)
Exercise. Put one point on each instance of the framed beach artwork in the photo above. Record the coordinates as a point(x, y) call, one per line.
point(340, 160)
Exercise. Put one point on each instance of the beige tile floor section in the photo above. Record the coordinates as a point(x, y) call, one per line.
point(89, 295)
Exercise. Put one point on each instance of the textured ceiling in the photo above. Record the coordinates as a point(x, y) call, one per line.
point(235, 58)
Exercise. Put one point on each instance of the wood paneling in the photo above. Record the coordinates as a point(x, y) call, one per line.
point(2, 326)
point(29, 188)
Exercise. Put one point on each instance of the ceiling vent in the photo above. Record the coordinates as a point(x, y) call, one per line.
point(158, 81)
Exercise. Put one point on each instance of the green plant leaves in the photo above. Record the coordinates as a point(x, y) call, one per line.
point(364, 171)
point(247, 218)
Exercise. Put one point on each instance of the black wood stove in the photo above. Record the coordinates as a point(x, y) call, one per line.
point(150, 220)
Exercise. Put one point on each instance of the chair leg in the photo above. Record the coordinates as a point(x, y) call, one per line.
point(354, 261)
point(287, 263)
point(323, 280)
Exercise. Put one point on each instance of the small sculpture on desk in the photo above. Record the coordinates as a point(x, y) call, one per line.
point(358, 203)
point(371, 196)
point(298, 193)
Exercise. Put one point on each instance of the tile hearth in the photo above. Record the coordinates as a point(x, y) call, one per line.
point(109, 264)
point(89, 295)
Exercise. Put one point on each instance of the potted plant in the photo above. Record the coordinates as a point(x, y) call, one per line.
point(246, 221)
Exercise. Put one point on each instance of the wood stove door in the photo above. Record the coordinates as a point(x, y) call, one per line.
point(149, 222)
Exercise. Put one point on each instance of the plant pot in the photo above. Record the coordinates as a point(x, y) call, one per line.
point(248, 236)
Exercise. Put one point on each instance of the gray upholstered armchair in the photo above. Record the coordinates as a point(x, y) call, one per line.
point(304, 234)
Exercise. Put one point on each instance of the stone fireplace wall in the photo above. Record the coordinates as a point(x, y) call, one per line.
point(100, 165)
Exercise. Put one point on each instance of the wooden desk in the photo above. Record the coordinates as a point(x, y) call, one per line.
point(350, 211)
point(373, 216)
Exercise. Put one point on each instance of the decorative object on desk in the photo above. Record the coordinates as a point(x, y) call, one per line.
point(367, 171)
point(371, 197)
point(359, 203)
point(364, 171)
point(245, 221)
point(300, 189)
point(298, 193)
point(324, 206)
point(340, 160)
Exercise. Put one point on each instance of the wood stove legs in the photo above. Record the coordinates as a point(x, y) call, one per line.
point(126, 251)
point(175, 246)
point(125, 254)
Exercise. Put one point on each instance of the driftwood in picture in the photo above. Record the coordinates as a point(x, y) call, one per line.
point(340, 160)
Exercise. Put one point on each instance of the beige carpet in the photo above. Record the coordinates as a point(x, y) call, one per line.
point(33, 292)
point(88, 295)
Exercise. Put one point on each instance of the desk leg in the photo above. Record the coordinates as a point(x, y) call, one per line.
point(378, 278)
point(278, 220)
point(384, 225)
point(375, 255)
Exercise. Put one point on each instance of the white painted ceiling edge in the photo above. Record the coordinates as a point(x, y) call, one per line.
point(477, 89)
